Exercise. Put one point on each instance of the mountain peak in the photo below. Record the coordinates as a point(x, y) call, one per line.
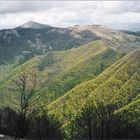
point(34, 25)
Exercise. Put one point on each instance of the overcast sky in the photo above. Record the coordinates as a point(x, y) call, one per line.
point(66, 13)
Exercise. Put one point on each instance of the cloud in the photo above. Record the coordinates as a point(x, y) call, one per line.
point(23, 6)
point(102, 6)
point(129, 6)
point(66, 13)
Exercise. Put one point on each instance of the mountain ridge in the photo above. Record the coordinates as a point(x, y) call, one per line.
point(33, 25)
point(25, 43)
point(76, 97)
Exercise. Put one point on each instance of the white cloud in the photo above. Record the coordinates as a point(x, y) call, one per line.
point(65, 13)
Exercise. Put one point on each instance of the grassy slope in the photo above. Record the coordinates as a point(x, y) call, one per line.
point(7, 94)
point(118, 84)
point(87, 65)
point(61, 71)
point(15, 71)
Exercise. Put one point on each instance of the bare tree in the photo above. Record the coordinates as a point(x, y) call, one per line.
point(26, 86)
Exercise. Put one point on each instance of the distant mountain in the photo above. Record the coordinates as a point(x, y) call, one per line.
point(34, 25)
point(31, 39)
point(119, 40)
point(24, 43)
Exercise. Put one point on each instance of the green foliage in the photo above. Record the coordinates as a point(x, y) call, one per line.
point(115, 87)
point(58, 72)
point(85, 89)
point(130, 113)
point(77, 66)
point(8, 93)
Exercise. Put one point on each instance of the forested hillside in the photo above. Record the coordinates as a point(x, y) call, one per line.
point(58, 72)
point(74, 83)
point(116, 90)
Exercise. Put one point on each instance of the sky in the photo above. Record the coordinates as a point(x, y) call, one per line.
point(67, 13)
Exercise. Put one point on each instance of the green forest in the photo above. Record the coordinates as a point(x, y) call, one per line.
point(81, 89)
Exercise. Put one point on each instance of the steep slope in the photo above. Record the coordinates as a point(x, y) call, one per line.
point(130, 113)
point(8, 94)
point(117, 85)
point(66, 69)
point(85, 69)
point(60, 71)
